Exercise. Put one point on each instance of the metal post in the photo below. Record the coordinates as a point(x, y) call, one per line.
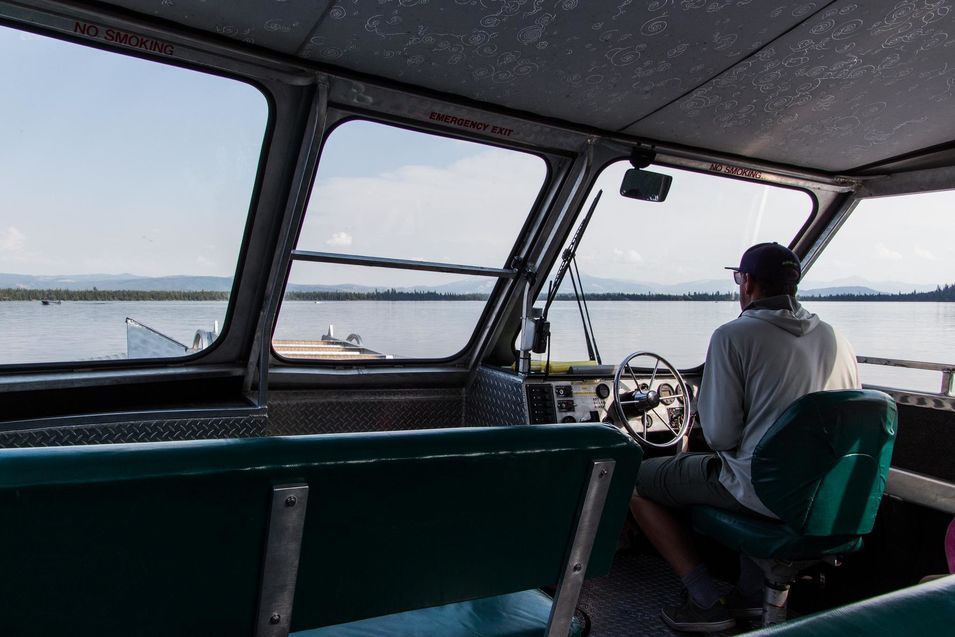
point(528, 327)
point(280, 565)
point(258, 364)
point(588, 521)
point(775, 600)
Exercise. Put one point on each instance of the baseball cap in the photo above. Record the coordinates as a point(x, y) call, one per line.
point(770, 262)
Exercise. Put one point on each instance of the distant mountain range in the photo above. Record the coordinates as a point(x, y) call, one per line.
point(592, 285)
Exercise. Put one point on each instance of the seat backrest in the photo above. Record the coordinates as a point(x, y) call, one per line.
point(823, 464)
point(168, 538)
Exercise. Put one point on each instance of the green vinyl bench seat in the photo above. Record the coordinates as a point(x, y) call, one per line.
point(926, 610)
point(523, 614)
point(171, 538)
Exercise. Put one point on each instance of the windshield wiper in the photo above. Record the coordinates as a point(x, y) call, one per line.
point(569, 263)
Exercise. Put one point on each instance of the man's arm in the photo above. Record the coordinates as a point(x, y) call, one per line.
point(720, 405)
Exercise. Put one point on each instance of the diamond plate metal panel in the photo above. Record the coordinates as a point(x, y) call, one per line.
point(337, 411)
point(136, 431)
point(495, 398)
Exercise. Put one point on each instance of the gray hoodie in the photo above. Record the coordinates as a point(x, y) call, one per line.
point(756, 365)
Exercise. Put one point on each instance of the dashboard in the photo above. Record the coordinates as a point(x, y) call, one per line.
point(567, 401)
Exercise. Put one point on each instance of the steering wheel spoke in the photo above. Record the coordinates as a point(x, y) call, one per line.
point(665, 419)
point(640, 403)
point(633, 377)
point(653, 376)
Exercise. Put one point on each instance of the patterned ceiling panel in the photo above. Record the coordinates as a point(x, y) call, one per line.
point(858, 83)
point(604, 64)
point(826, 84)
point(279, 25)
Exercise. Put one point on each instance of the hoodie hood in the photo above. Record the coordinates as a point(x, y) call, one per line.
point(784, 312)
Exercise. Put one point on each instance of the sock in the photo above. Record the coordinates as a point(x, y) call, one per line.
point(751, 577)
point(701, 587)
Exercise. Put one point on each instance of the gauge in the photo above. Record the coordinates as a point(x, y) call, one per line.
point(665, 390)
point(602, 390)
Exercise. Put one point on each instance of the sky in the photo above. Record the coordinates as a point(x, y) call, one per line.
point(904, 238)
point(111, 164)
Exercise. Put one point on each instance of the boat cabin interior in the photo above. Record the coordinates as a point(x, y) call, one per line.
point(328, 317)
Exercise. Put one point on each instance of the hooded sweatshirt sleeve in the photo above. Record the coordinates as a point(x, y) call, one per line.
point(720, 405)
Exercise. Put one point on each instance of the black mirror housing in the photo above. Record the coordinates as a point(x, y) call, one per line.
point(645, 185)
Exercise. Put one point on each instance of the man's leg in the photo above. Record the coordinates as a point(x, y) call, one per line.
point(667, 535)
point(678, 481)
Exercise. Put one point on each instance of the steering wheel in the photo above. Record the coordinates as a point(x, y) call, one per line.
point(632, 409)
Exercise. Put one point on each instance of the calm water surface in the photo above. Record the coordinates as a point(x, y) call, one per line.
point(31, 332)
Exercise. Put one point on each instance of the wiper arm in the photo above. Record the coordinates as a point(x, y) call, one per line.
point(569, 255)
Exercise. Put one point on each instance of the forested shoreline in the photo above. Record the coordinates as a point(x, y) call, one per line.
point(22, 294)
point(944, 293)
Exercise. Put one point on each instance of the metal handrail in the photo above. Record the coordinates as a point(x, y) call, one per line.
point(947, 370)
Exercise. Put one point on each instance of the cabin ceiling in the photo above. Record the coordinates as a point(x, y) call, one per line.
point(832, 86)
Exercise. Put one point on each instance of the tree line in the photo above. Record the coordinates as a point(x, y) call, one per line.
point(390, 294)
point(941, 293)
point(22, 294)
point(621, 296)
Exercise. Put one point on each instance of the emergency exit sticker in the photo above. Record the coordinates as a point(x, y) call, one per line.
point(473, 124)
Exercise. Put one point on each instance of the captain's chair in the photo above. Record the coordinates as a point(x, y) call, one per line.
point(821, 468)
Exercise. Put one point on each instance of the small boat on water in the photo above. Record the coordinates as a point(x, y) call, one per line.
point(50, 301)
point(328, 348)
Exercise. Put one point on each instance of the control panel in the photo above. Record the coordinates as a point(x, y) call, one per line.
point(567, 401)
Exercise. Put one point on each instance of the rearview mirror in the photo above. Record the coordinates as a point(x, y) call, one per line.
point(645, 185)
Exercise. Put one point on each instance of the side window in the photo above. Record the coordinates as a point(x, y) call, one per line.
point(653, 273)
point(124, 191)
point(887, 280)
point(390, 208)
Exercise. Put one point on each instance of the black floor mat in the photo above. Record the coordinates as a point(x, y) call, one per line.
point(627, 602)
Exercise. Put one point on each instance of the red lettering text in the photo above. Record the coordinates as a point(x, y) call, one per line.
point(90, 30)
point(124, 38)
point(462, 122)
point(736, 171)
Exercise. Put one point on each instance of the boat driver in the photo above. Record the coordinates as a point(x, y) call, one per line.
point(756, 365)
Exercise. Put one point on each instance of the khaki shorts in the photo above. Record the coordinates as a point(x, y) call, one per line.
point(685, 480)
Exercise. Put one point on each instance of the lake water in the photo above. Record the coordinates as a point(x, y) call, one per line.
point(678, 330)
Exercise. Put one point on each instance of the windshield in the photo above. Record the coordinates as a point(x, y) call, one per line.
point(653, 273)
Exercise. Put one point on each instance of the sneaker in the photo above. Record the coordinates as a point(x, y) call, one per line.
point(692, 619)
point(744, 607)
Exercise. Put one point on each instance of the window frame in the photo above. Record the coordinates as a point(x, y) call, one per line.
point(40, 28)
point(339, 116)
